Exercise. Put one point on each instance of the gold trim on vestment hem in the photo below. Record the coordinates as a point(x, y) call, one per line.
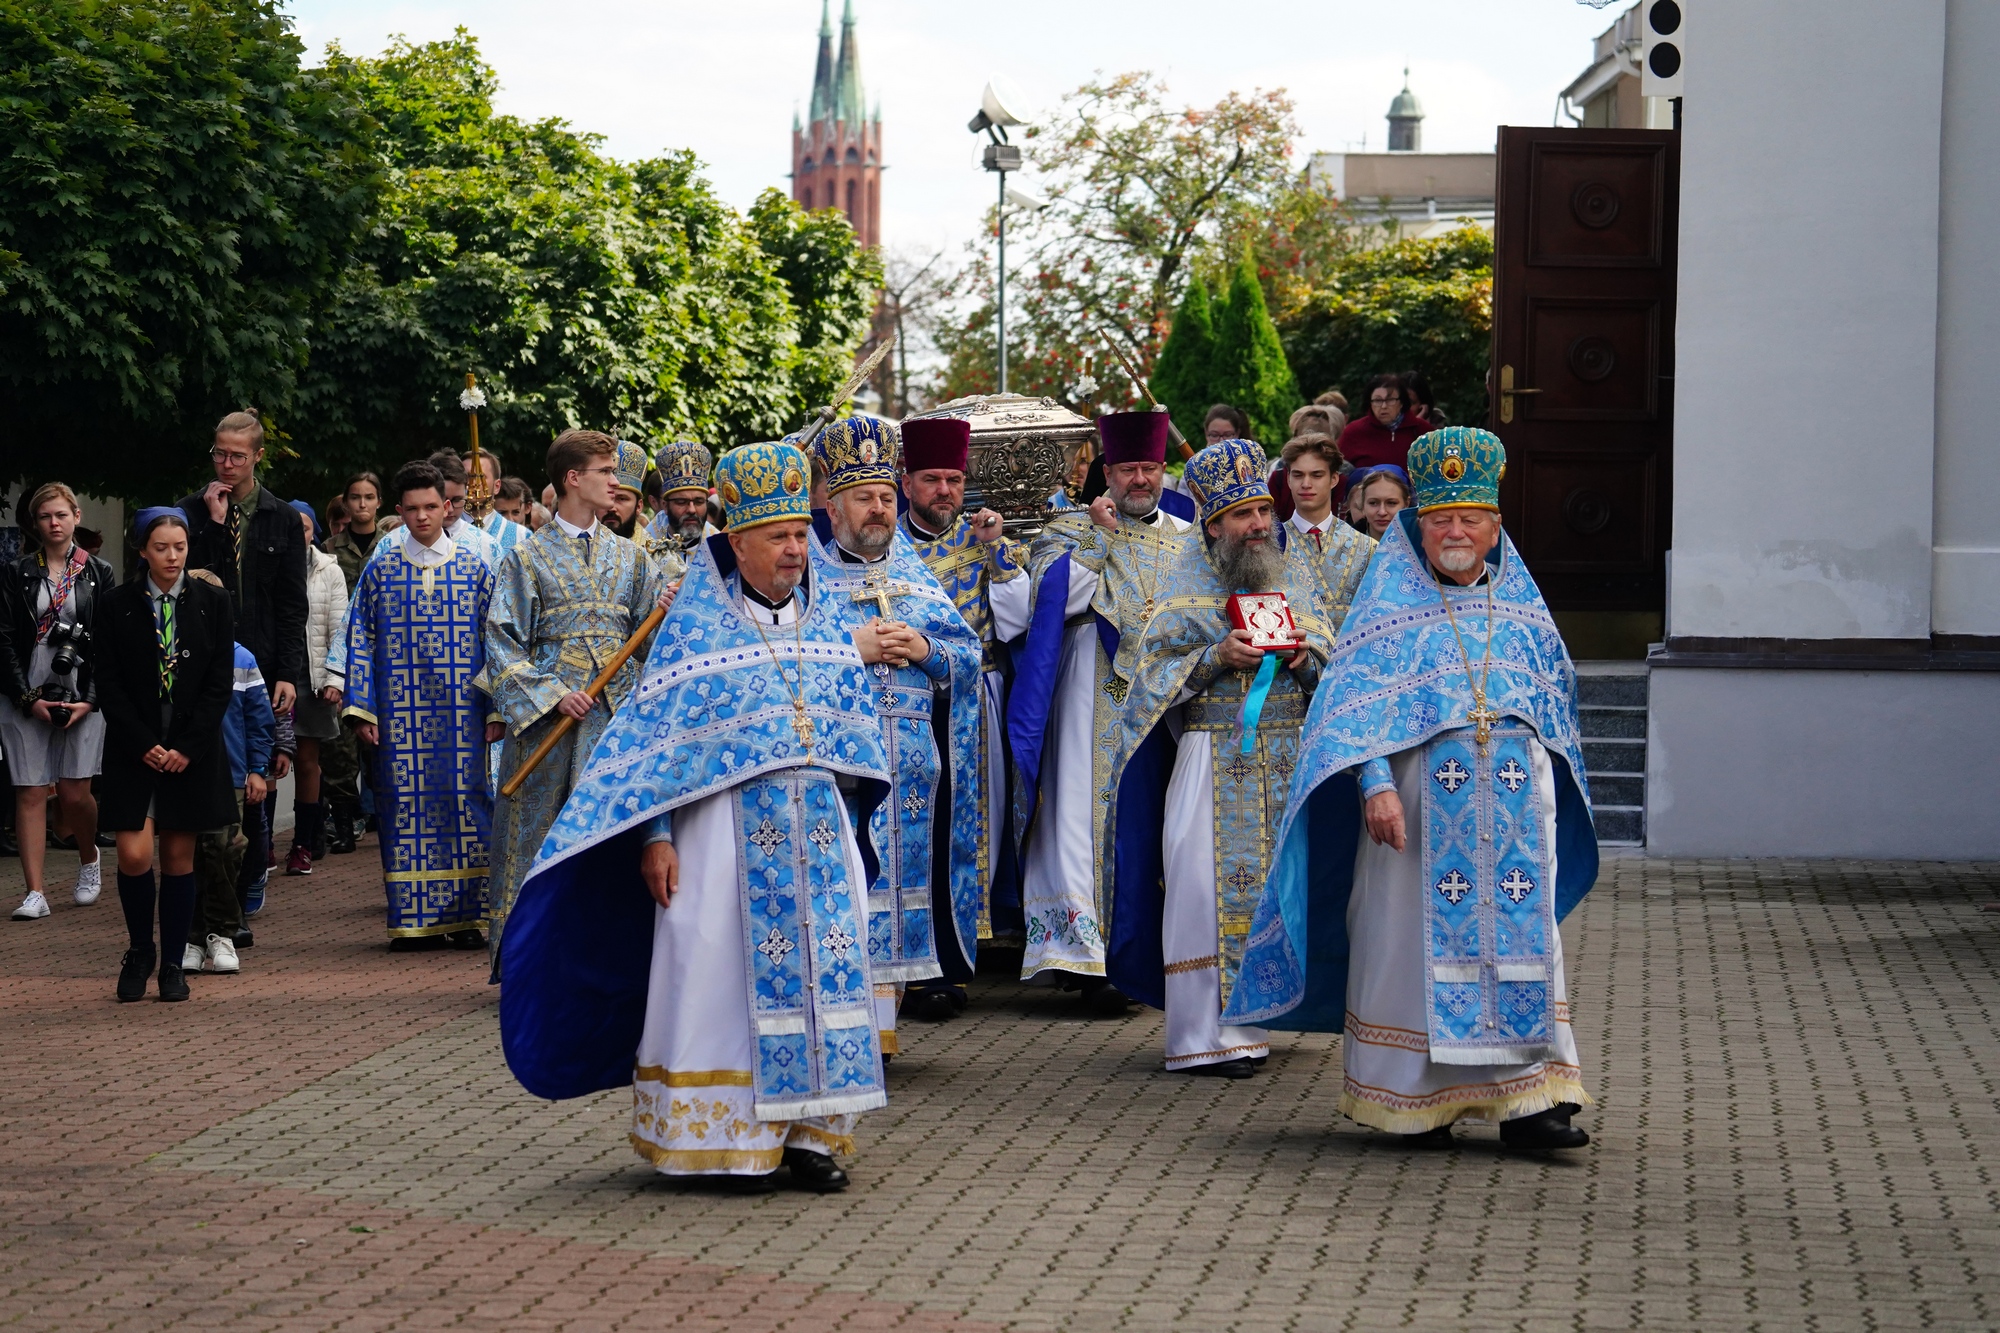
point(1548, 1091)
point(362, 713)
point(449, 928)
point(1175, 1061)
point(888, 1039)
point(692, 1078)
point(412, 876)
point(1082, 969)
point(709, 1161)
point(1208, 964)
point(834, 1143)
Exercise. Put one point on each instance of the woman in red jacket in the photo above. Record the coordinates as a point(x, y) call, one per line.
point(1385, 432)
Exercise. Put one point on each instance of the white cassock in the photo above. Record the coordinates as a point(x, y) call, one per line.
point(1009, 607)
point(1391, 1082)
point(1190, 933)
point(1059, 873)
point(693, 1098)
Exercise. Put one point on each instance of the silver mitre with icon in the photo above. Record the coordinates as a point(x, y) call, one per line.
point(1023, 452)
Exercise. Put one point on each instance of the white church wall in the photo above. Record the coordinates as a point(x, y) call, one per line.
point(1965, 593)
point(1807, 321)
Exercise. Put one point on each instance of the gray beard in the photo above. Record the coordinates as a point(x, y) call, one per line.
point(1137, 506)
point(1257, 568)
point(868, 548)
point(690, 531)
point(939, 521)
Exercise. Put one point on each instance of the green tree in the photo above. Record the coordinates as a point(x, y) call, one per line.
point(1183, 377)
point(582, 291)
point(1414, 304)
point(176, 198)
point(1249, 369)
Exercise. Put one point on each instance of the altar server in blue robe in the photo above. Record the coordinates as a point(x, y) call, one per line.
point(697, 922)
point(1437, 832)
point(414, 648)
point(1203, 759)
point(985, 573)
point(924, 905)
point(567, 599)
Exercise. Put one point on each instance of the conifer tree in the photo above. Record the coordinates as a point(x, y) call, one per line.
point(1182, 376)
point(1249, 369)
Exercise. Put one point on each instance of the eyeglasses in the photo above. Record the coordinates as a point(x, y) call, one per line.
point(225, 456)
point(1385, 401)
point(611, 471)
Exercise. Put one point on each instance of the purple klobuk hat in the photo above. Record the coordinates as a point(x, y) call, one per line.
point(936, 442)
point(1133, 437)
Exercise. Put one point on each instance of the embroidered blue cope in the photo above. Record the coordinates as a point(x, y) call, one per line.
point(713, 713)
point(1396, 681)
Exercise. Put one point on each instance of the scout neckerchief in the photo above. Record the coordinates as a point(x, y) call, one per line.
point(73, 564)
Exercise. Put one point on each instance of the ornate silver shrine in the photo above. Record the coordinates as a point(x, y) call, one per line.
point(1022, 451)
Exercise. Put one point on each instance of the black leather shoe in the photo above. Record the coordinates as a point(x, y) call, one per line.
point(1242, 1067)
point(466, 939)
point(1544, 1130)
point(959, 999)
point(243, 939)
point(814, 1171)
point(929, 1006)
point(132, 974)
point(417, 943)
point(727, 1184)
point(1430, 1138)
point(1101, 999)
point(173, 982)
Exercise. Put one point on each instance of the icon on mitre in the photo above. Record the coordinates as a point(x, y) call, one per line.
point(1267, 616)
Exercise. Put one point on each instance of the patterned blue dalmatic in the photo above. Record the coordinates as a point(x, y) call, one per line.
point(713, 714)
point(902, 944)
point(413, 650)
point(1398, 681)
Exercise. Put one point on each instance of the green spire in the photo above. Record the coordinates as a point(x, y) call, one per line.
point(848, 104)
point(823, 75)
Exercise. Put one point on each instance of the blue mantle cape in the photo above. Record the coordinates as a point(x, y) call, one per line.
point(962, 781)
point(708, 714)
point(1396, 679)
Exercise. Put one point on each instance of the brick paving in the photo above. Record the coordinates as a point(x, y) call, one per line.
point(1796, 1066)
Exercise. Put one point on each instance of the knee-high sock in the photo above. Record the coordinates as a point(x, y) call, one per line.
point(135, 896)
point(176, 909)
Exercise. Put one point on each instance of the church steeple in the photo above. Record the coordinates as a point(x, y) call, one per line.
point(823, 71)
point(837, 152)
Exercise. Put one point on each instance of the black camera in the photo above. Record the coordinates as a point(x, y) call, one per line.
point(69, 640)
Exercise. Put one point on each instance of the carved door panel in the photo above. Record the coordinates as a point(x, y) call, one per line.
point(1585, 232)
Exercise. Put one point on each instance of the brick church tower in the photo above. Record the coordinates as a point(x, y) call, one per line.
point(837, 154)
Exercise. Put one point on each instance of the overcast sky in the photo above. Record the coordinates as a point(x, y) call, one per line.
point(724, 78)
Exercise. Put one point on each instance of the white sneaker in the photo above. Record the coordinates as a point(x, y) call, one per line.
point(89, 882)
point(190, 958)
point(33, 907)
point(222, 955)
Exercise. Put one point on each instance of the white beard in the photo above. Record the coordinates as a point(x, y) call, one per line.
point(1457, 559)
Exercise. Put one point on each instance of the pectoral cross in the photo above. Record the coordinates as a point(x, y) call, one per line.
point(879, 591)
point(802, 724)
point(1482, 717)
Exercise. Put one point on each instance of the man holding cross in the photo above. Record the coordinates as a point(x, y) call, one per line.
point(923, 906)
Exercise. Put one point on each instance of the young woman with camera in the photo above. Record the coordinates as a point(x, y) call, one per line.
point(166, 654)
point(50, 728)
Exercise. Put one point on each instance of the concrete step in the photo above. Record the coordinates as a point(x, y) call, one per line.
point(1608, 722)
point(1619, 823)
point(1618, 789)
point(1614, 756)
point(1622, 691)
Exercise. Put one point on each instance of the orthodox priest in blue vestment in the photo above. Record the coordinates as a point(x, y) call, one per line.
point(1202, 761)
point(923, 907)
point(567, 599)
point(1437, 832)
point(1095, 578)
point(696, 923)
point(413, 652)
point(985, 573)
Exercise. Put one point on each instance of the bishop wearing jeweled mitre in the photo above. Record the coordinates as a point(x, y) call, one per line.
point(1437, 832)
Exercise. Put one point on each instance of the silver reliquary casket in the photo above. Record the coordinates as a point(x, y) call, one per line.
point(1022, 452)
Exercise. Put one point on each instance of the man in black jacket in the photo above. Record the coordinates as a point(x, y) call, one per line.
point(254, 543)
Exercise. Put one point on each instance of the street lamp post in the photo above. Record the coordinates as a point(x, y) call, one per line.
point(997, 111)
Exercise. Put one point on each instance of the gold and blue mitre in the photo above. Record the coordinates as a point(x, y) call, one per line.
point(632, 463)
point(763, 483)
point(1456, 467)
point(854, 451)
point(683, 466)
point(1226, 474)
